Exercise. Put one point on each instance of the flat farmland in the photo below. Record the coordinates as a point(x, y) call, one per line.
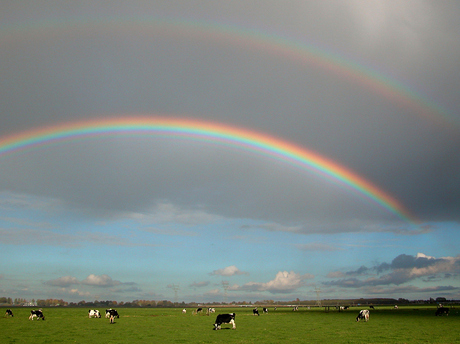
point(169, 325)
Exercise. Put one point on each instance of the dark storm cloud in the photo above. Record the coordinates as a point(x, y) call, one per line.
point(61, 75)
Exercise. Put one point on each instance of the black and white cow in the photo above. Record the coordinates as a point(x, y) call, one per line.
point(109, 312)
point(9, 313)
point(210, 310)
point(94, 313)
point(371, 307)
point(36, 314)
point(224, 319)
point(198, 310)
point(255, 311)
point(112, 315)
point(442, 310)
point(363, 314)
point(265, 310)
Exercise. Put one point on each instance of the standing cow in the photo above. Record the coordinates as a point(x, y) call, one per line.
point(224, 319)
point(36, 314)
point(112, 314)
point(363, 314)
point(255, 311)
point(9, 313)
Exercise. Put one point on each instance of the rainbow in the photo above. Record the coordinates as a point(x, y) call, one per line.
point(214, 133)
point(291, 49)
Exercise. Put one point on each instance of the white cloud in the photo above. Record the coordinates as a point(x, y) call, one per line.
point(170, 213)
point(229, 271)
point(100, 281)
point(65, 281)
point(284, 282)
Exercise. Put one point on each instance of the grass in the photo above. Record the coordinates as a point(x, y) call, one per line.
point(169, 325)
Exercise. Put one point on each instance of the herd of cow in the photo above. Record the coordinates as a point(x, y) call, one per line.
point(228, 318)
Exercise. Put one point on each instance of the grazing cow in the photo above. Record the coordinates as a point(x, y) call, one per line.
point(224, 319)
point(210, 310)
point(363, 314)
point(36, 314)
point(441, 311)
point(296, 308)
point(94, 313)
point(9, 313)
point(265, 310)
point(346, 307)
point(371, 307)
point(275, 308)
point(255, 311)
point(396, 306)
point(184, 311)
point(198, 310)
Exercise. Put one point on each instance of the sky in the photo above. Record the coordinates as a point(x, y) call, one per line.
point(226, 151)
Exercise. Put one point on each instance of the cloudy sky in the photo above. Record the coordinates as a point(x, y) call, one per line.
point(371, 89)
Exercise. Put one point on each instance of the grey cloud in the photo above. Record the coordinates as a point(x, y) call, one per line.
point(317, 247)
point(199, 284)
point(403, 268)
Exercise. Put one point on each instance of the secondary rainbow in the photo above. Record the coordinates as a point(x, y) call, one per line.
point(209, 132)
point(274, 43)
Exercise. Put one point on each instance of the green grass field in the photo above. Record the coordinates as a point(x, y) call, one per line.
point(169, 325)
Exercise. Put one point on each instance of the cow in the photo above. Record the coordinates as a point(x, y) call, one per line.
point(346, 307)
point(265, 310)
point(110, 311)
point(255, 311)
point(111, 314)
point(36, 314)
point(210, 310)
point(363, 314)
point(295, 309)
point(184, 311)
point(9, 313)
point(396, 307)
point(441, 311)
point(224, 319)
point(94, 313)
point(371, 307)
point(198, 310)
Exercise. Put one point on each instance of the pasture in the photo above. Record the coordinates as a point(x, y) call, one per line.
point(169, 325)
